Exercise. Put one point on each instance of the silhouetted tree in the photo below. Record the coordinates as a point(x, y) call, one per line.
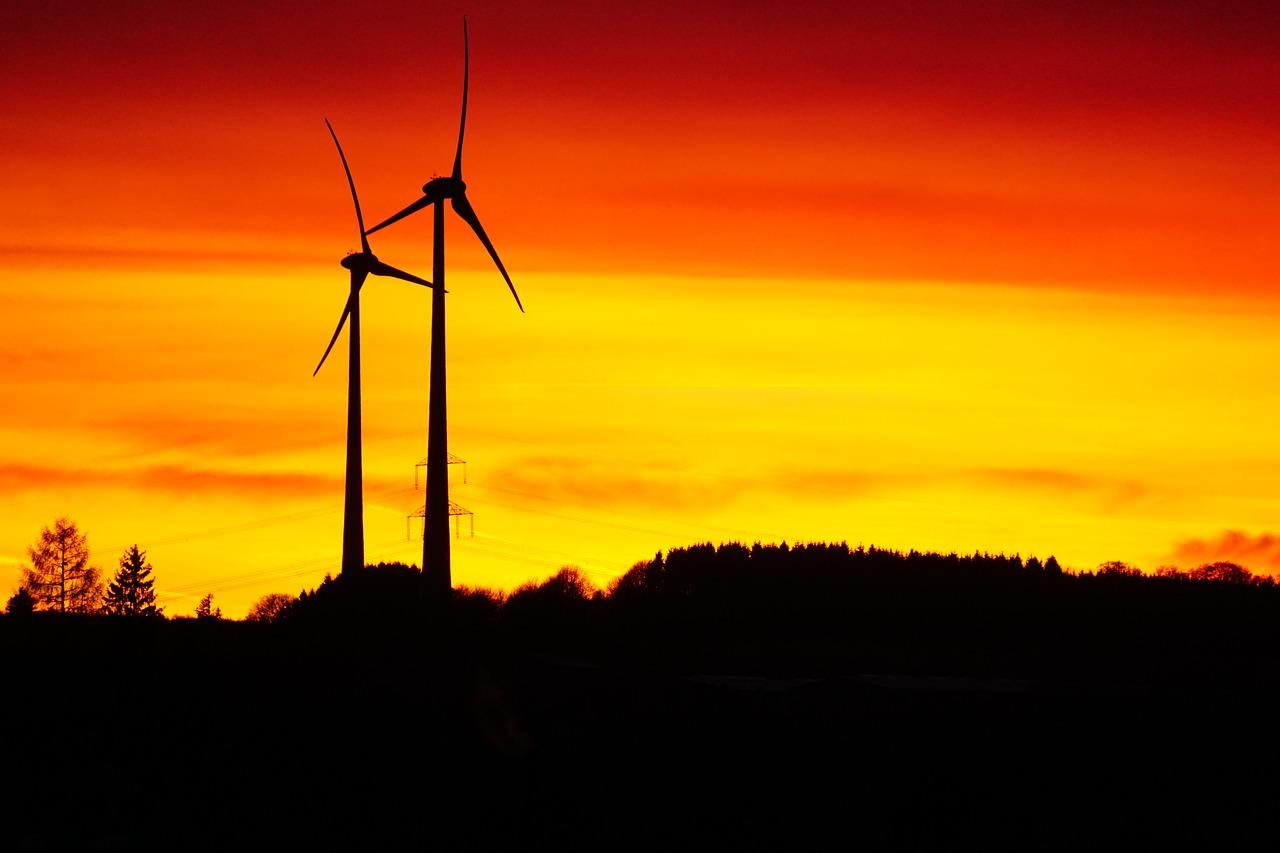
point(1034, 565)
point(1118, 569)
point(477, 604)
point(271, 608)
point(1172, 572)
point(631, 582)
point(1222, 572)
point(60, 577)
point(20, 603)
point(570, 583)
point(1051, 566)
point(559, 602)
point(379, 592)
point(206, 610)
point(132, 591)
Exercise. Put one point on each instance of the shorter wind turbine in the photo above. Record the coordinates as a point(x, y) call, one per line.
point(361, 264)
point(436, 574)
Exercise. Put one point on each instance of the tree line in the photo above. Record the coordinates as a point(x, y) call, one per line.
point(59, 577)
point(733, 581)
point(724, 583)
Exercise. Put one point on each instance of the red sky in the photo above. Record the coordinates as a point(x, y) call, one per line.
point(1083, 144)
point(975, 216)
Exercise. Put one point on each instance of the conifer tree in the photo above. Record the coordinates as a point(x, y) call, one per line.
point(20, 603)
point(132, 592)
point(206, 610)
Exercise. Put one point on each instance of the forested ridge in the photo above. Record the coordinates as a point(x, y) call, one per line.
point(828, 608)
point(713, 694)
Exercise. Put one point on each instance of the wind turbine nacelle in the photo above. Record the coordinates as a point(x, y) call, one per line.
point(359, 261)
point(445, 187)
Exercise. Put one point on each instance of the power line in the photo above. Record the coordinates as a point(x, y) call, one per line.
point(546, 557)
point(272, 574)
point(492, 547)
point(582, 520)
point(706, 475)
point(248, 525)
point(752, 533)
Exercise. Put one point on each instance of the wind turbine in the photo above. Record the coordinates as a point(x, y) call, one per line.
point(436, 575)
point(361, 264)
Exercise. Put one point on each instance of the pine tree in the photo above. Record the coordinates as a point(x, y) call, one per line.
point(132, 592)
point(60, 577)
point(206, 610)
point(20, 603)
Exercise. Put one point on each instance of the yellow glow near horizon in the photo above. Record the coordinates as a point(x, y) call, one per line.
point(629, 414)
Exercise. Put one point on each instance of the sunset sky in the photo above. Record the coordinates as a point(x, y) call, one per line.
point(997, 276)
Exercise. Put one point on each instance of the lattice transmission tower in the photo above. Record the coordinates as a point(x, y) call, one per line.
point(456, 511)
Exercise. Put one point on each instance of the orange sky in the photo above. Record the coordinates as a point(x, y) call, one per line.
point(904, 274)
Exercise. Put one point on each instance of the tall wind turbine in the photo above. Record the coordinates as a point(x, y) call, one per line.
point(436, 575)
point(361, 264)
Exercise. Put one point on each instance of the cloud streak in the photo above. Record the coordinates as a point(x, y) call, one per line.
point(604, 485)
point(1261, 552)
point(170, 479)
point(1110, 493)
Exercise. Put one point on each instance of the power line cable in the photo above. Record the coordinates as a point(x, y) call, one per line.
point(763, 536)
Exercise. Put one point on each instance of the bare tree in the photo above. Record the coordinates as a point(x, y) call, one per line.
point(1118, 569)
point(60, 577)
point(1223, 572)
point(271, 608)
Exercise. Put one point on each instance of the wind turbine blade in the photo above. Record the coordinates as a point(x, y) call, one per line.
point(386, 269)
point(464, 209)
point(466, 75)
point(357, 281)
point(364, 241)
point(413, 208)
point(341, 321)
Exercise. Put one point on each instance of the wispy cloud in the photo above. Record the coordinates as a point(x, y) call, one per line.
point(608, 485)
point(45, 255)
point(617, 485)
point(1260, 553)
point(170, 479)
point(1109, 492)
point(242, 430)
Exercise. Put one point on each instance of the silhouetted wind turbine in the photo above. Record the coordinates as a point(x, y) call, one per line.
point(361, 264)
point(436, 575)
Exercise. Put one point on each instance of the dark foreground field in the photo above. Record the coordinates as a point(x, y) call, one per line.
point(375, 735)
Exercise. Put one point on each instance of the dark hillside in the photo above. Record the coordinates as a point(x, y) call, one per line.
point(716, 696)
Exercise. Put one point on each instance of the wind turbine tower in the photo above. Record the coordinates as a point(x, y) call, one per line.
point(361, 264)
point(437, 574)
point(437, 579)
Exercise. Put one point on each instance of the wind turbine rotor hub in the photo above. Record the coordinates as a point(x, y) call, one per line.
point(359, 261)
point(444, 187)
